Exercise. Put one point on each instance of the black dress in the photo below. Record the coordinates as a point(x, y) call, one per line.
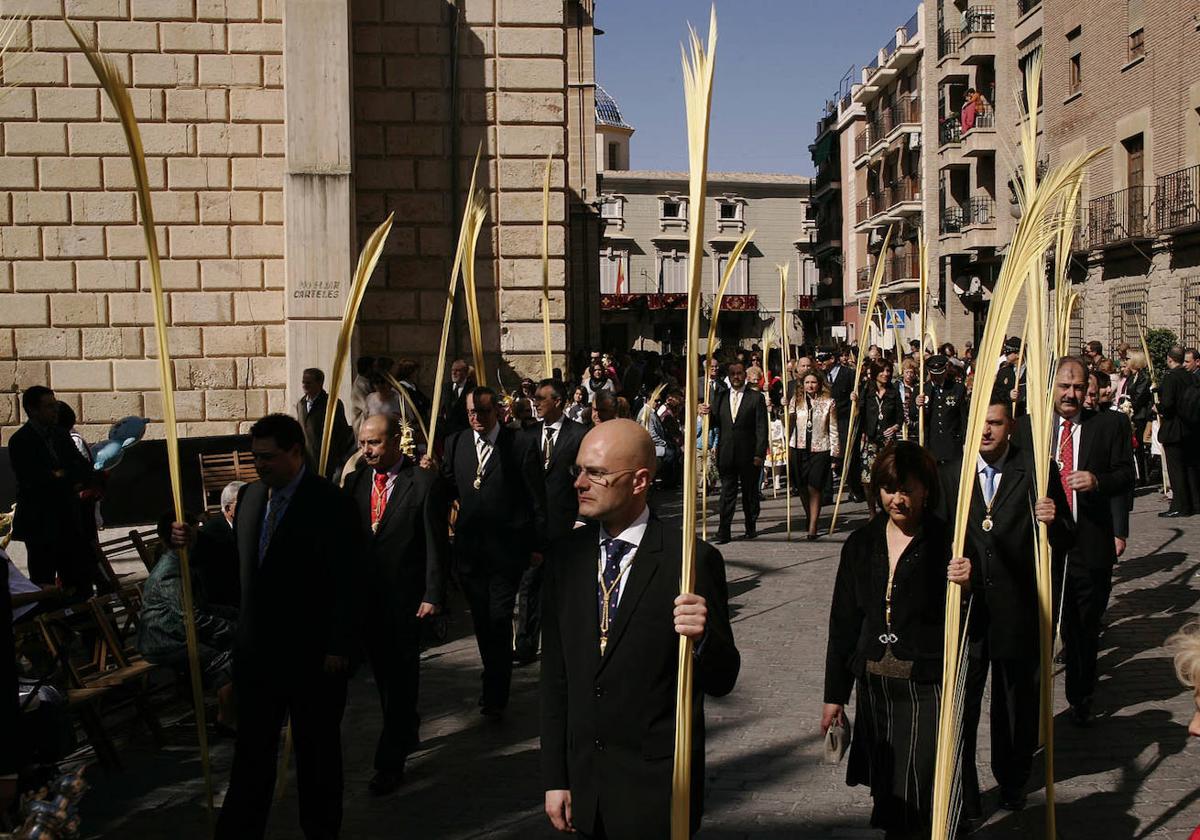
point(895, 724)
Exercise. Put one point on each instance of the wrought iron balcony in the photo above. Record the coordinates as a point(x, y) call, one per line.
point(905, 266)
point(981, 210)
point(950, 130)
point(980, 19)
point(862, 211)
point(953, 220)
point(1177, 204)
point(1121, 216)
point(949, 42)
point(901, 190)
point(862, 141)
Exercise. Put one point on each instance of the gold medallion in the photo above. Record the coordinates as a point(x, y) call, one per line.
point(477, 483)
point(987, 523)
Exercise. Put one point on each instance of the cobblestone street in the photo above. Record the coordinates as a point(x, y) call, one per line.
point(1132, 774)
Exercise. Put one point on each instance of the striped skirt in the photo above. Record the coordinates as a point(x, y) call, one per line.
point(894, 749)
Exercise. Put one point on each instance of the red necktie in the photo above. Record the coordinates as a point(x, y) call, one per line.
point(378, 498)
point(1066, 460)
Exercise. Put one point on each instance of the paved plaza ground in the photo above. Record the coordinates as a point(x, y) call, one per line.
point(1133, 774)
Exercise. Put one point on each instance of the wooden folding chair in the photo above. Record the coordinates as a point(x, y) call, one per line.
point(218, 469)
point(141, 544)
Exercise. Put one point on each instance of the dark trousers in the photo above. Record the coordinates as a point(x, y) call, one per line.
point(1185, 487)
point(316, 703)
point(70, 560)
point(491, 596)
point(394, 650)
point(1014, 725)
point(743, 477)
point(529, 612)
point(1085, 599)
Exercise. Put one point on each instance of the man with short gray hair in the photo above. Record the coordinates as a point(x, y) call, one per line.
point(215, 556)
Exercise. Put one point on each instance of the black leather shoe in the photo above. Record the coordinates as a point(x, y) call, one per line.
point(722, 539)
point(750, 535)
point(1081, 715)
point(1171, 514)
point(385, 782)
point(811, 537)
point(1012, 800)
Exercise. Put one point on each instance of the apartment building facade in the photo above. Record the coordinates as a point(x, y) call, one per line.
point(273, 150)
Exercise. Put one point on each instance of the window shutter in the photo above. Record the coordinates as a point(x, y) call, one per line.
point(1136, 16)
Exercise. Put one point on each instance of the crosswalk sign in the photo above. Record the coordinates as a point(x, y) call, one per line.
point(895, 319)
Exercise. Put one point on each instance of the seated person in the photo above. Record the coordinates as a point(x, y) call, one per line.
point(162, 637)
point(214, 558)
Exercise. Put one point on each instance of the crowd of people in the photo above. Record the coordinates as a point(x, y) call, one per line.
point(534, 504)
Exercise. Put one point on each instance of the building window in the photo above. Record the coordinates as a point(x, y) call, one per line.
point(614, 272)
point(739, 282)
point(672, 272)
point(612, 207)
point(672, 212)
point(1075, 73)
point(1137, 32)
point(1027, 63)
point(729, 211)
point(614, 156)
point(1128, 311)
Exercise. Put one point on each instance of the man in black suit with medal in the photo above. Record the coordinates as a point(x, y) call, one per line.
point(1095, 464)
point(556, 439)
point(501, 491)
point(402, 515)
point(453, 408)
point(1001, 540)
point(740, 414)
point(298, 546)
point(612, 617)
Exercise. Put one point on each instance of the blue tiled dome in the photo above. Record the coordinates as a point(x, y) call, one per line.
point(607, 111)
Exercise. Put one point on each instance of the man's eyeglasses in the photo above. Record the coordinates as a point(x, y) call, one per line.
point(603, 478)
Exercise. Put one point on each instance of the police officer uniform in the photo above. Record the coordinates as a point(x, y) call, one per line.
point(946, 408)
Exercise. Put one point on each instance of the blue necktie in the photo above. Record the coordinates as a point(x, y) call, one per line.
point(610, 590)
point(275, 507)
point(989, 484)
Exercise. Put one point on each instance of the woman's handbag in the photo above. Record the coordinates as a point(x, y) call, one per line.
point(837, 740)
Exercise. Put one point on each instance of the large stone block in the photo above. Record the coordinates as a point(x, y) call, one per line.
point(73, 242)
point(201, 308)
point(250, 105)
point(81, 376)
point(7, 348)
point(518, 338)
point(191, 38)
point(97, 9)
point(224, 404)
point(111, 406)
point(227, 10)
point(19, 375)
point(526, 240)
point(40, 208)
point(67, 103)
point(17, 104)
point(176, 274)
point(231, 274)
point(80, 73)
point(231, 207)
point(531, 11)
point(129, 241)
point(204, 173)
point(255, 38)
point(543, 41)
point(133, 374)
point(174, 208)
point(35, 138)
point(96, 139)
point(258, 241)
point(103, 207)
point(43, 276)
point(527, 207)
point(127, 36)
point(107, 275)
point(202, 374)
point(197, 105)
point(531, 140)
point(37, 68)
point(258, 173)
point(69, 173)
point(20, 243)
point(147, 106)
point(46, 343)
point(78, 309)
point(224, 140)
point(531, 107)
point(199, 241)
point(229, 70)
point(258, 307)
point(169, 139)
point(24, 310)
point(131, 309)
point(118, 173)
point(167, 71)
point(262, 372)
point(527, 173)
point(533, 74)
point(111, 342)
point(163, 9)
point(234, 341)
point(189, 405)
point(184, 342)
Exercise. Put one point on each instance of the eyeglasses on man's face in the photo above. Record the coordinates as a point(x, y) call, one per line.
point(598, 476)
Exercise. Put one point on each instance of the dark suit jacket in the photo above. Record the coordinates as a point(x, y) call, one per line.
point(1105, 449)
point(306, 599)
point(1137, 389)
point(608, 723)
point(946, 408)
point(840, 389)
point(503, 522)
point(1003, 576)
point(453, 410)
point(340, 443)
point(857, 616)
point(215, 560)
point(10, 715)
point(47, 505)
point(405, 561)
point(562, 502)
point(1173, 429)
point(740, 442)
point(878, 413)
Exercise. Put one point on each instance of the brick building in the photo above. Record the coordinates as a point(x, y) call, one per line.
point(1122, 75)
point(272, 153)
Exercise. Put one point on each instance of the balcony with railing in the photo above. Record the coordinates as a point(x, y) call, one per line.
point(949, 43)
point(979, 20)
point(862, 141)
point(979, 35)
point(1121, 217)
point(902, 196)
point(1177, 204)
point(949, 130)
point(980, 138)
point(1024, 7)
point(979, 224)
point(902, 268)
point(954, 219)
point(905, 110)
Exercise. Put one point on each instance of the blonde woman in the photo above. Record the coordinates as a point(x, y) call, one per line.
point(1185, 646)
point(814, 443)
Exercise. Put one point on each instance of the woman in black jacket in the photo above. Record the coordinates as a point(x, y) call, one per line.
point(880, 411)
point(886, 639)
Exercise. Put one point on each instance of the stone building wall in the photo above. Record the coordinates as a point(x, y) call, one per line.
point(512, 68)
point(75, 311)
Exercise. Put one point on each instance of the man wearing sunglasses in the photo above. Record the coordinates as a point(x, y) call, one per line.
point(611, 620)
point(498, 482)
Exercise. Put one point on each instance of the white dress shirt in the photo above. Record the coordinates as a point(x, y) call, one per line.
point(736, 395)
point(633, 535)
point(998, 466)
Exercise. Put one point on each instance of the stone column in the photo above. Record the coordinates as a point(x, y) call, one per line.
point(318, 191)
